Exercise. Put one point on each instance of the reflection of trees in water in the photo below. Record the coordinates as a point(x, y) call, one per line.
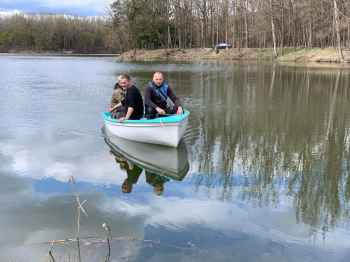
point(320, 187)
point(282, 130)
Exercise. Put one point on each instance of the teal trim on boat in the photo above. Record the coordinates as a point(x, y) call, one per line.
point(161, 120)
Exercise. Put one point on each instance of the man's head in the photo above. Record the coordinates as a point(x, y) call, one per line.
point(158, 189)
point(158, 78)
point(126, 186)
point(124, 81)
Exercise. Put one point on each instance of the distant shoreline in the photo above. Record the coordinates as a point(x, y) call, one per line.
point(309, 57)
point(28, 53)
point(301, 56)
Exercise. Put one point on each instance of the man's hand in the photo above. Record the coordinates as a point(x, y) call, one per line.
point(122, 119)
point(160, 111)
point(128, 114)
point(179, 110)
point(112, 108)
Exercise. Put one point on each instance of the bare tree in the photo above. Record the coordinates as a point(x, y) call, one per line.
point(273, 29)
point(337, 28)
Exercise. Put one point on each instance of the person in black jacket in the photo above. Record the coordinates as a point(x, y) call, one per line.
point(133, 102)
point(160, 99)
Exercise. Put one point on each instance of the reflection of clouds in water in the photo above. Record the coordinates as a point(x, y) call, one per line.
point(90, 252)
point(57, 161)
point(279, 223)
point(29, 217)
point(178, 214)
point(26, 221)
point(173, 213)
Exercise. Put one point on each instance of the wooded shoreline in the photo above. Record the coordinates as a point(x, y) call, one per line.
point(267, 29)
point(33, 53)
point(316, 57)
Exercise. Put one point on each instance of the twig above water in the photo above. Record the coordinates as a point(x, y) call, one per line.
point(51, 256)
point(108, 237)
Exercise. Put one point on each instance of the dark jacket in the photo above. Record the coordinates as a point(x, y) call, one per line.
point(153, 97)
point(133, 99)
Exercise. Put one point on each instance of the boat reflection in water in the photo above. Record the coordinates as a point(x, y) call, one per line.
point(160, 163)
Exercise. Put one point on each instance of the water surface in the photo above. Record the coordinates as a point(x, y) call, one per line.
point(263, 173)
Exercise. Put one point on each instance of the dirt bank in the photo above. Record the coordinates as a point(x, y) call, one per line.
point(315, 55)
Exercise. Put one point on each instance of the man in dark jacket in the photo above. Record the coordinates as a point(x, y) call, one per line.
point(160, 98)
point(133, 102)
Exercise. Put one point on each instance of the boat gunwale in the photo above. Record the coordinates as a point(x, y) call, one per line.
point(126, 124)
point(161, 121)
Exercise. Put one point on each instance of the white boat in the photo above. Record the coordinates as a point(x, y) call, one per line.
point(165, 161)
point(166, 131)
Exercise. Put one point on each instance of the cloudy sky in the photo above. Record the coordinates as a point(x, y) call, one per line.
point(72, 7)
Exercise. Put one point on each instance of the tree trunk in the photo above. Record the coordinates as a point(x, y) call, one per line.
point(273, 31)
point(226, 21)
point(282, 30)
point(212, 21)
point(217, 25)
point(348, 32)
point(169, 36)
point(234, 26)
point(202, 34)
point(336, 18)
point(310, 25)
point(191, 24)
point(246, 23)
point(294, 41)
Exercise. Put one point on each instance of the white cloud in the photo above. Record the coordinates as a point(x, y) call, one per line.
point(9, 12)
point(98, 5)
point(78, 7)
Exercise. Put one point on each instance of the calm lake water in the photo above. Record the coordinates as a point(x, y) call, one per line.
point(262, 173)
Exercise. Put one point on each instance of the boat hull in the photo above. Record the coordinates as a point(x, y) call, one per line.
point(165, 161)
point(161, 131)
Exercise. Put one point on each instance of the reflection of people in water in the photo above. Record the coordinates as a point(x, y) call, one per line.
point(156, 181)
point(133, 173)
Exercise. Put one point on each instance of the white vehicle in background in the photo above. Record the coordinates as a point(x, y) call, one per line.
point(222, 46)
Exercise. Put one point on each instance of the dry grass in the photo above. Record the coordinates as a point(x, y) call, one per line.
point(314, 55)
point(195, 54)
